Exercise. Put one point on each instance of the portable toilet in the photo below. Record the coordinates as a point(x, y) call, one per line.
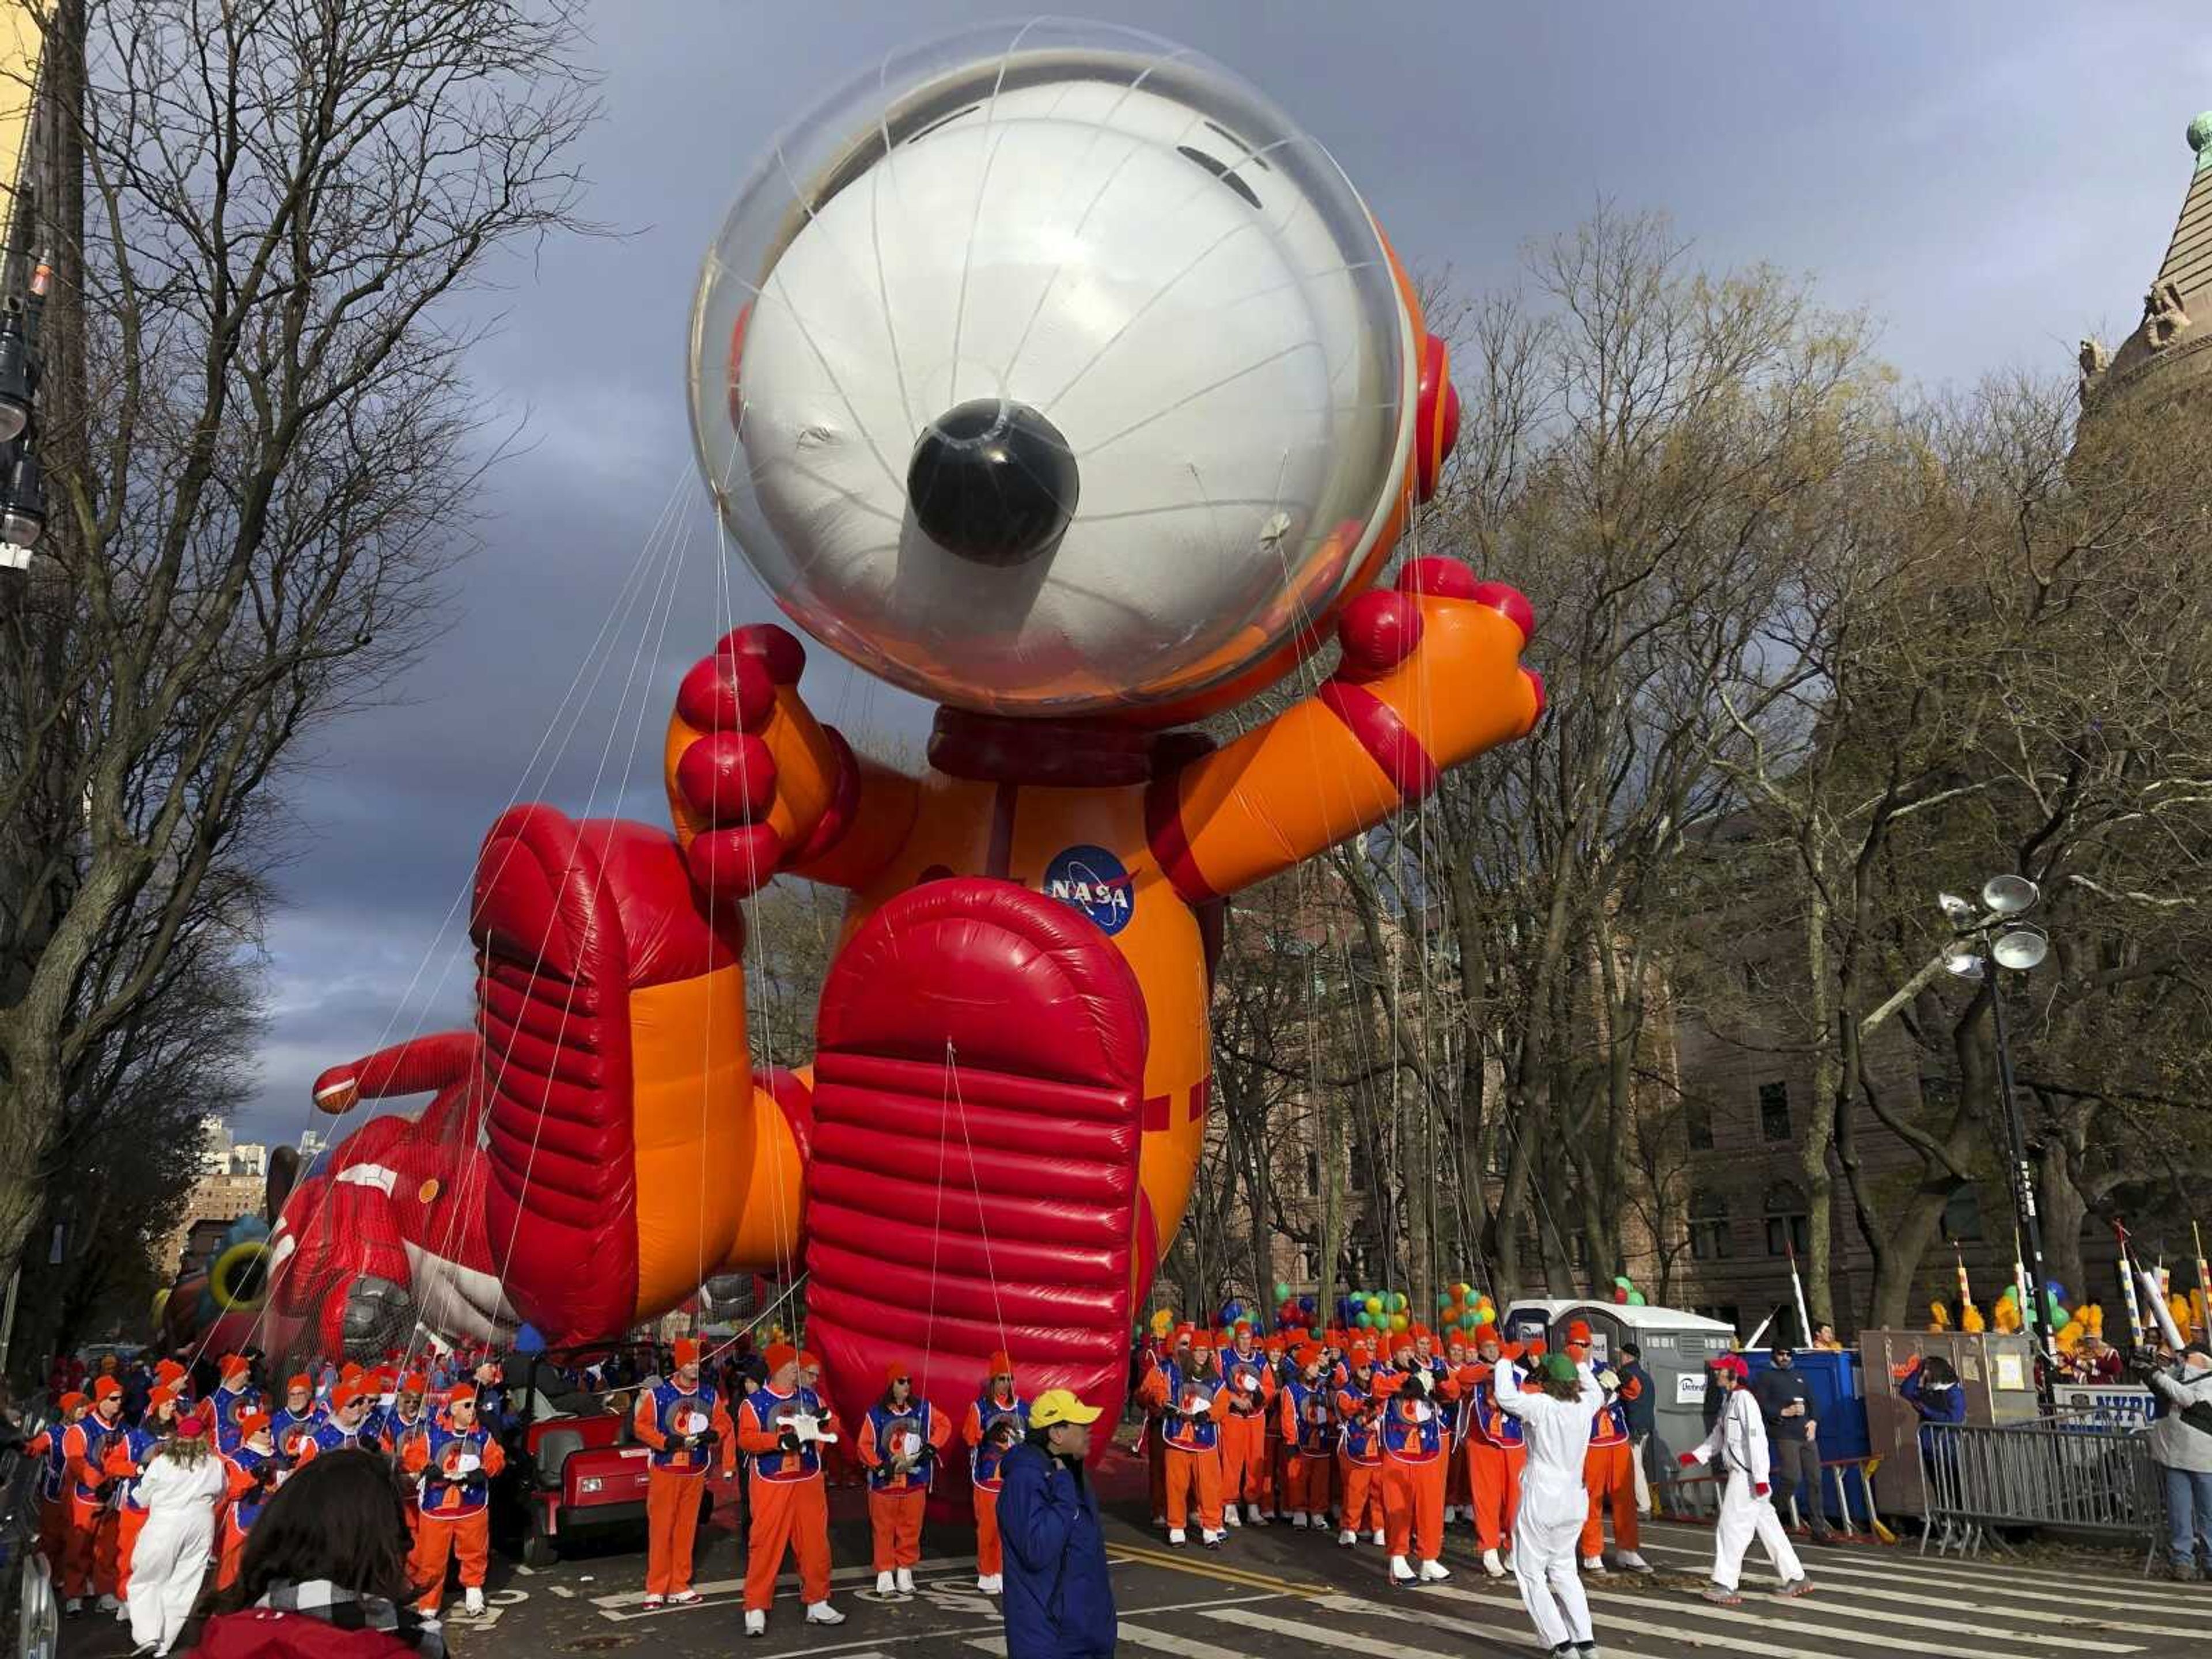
point(1675, 1347)
point(1997, 1375)
point(1533, 1317)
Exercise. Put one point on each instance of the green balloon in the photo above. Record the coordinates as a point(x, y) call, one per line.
point(1282, 1290)
point(1397, 1301)
point(1362, 1319)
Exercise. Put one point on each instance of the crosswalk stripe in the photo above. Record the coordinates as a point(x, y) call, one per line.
point(1635, 1626)
point(1907, 1560)
point(625, 1599)
point(1917, 1591)
point(1326, 1637)
point(1993, 1579)
point(1818, 1616)
point(1184, 1647)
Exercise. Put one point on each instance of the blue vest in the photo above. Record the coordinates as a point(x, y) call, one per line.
point(983, 1458)
point(672, 1408)
point(449, 1496)
point(770, 1410)
point(880, 1419)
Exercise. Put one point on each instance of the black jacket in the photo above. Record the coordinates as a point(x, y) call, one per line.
point(1774, 1389)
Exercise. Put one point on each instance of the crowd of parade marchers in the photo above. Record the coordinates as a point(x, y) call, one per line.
point(222, 1504)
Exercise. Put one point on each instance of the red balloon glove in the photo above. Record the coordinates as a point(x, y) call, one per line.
point(1760, 1488)
point(728, 778)
point(1688, 1460)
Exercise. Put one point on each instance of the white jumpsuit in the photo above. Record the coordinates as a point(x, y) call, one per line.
point(1739, 1440)
point(172, 1552)
point(1554, 1503)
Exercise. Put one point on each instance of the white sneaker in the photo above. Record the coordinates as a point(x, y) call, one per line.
point(756, 1624)
point(886, 1584)
point(685, 1598)
point(1297, 1520)
point(1631, 1560)
point(1176, 1537)
point(906, 1580)
point(472, 1600)
point(1402, 1571)
point(1434, 1572)
point(1347, 1538)
point(1382, 1538)
point(821, 1612)
point(1451, 1513)
point(1212, 1540)
point(1229, 1514)
point(1594, 1564)
point(654, 1603)
point(1491, 1564)
point(1254, 1517)
point(994, 1584)
point(73, 1607)
point(108, 1604)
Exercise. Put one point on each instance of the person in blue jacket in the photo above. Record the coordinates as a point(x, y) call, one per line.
point(1058, 1602)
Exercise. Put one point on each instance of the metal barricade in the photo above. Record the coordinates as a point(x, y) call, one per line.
point(28, 1604)
point(1846, 1495)
point(2070, 1471)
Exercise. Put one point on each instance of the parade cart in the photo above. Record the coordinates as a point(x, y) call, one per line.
point(579, 1470)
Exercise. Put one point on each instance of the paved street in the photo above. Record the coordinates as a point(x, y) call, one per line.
point(1279, 1591)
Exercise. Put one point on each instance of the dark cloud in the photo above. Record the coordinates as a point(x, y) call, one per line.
point(1991, 181)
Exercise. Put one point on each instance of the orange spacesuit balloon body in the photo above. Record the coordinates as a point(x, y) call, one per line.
point(1052, 373)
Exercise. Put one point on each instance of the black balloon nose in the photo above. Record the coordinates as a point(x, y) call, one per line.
point(993, 481)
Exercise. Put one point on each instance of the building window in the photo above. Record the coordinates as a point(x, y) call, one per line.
point(1774, 1110)
point(1962, 1215)
point(1709, 1226)
point(1697, 1124)
point(1787, 1227)
point(1304, 1268)
point(1312, 1174)
point(1725, 1312)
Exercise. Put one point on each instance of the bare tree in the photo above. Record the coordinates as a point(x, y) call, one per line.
point(261, 445)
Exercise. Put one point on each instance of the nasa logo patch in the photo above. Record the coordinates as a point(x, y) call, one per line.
point(1092, 880)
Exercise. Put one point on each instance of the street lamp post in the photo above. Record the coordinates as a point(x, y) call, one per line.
point(1999, 939)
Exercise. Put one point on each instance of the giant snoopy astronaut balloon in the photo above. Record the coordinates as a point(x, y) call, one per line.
point(1051, 372)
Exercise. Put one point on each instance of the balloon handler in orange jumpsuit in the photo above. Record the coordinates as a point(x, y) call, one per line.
point(1608, 1468)
point(456, 1460)
point(1309, 1436)
point(1414, 1423)
point(48, 1445)
point(1249, 1381)
point(900, 1440)
point(1497, 1447)
point(683, 1422)
point(997, 1419)
point(1192, 1404)
point(1173, 1357)
point(783, 1426)
point(257, 1467)
point(1359, 1450)
point(88, 1555)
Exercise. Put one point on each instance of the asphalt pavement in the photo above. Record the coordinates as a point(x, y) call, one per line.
point(1277, 1590)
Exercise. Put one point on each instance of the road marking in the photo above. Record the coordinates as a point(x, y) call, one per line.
point(1992, 1579)
point(1159, 1641)
point(1905, 1559)
point(563, 1591)
point(628, 1599)
point(1917, 1593)
point(1176, 1562)
point(1328, 1636)
point(1734, 1643)
point(1803, 1618)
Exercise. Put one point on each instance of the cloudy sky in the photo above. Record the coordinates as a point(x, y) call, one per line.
point(1993, 181)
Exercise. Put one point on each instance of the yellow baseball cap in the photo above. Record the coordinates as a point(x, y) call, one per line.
point(1061, 1405)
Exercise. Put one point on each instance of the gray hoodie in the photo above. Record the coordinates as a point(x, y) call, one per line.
point(2175, 1443)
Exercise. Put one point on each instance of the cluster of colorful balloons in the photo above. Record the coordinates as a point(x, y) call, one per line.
point(1460, 1309)
point(1378, 1310)
point(1294, 1313)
